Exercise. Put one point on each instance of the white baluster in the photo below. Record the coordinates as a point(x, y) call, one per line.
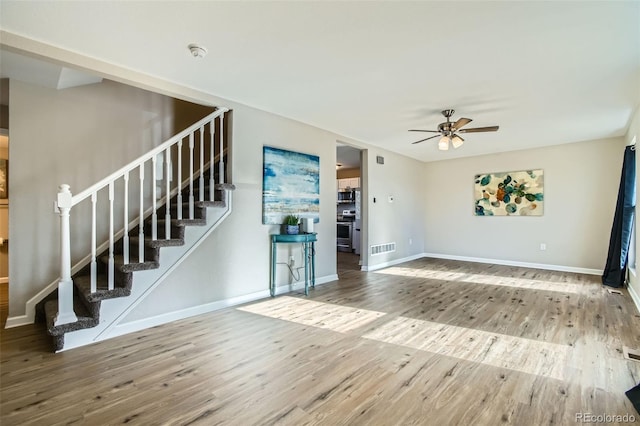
point(191, 212)
point(179, 198)
point(154, 215)
point(221, 169)
point(141, 225)
point(212, 179)
point(111, 262)
point(65, 285)
point(125, 239)
point(94, 265)
point(167, 177)
point(201, 181)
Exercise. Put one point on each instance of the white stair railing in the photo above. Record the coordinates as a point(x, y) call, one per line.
point(173, 184)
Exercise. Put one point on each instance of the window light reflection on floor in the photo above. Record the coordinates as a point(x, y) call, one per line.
point(525, 283)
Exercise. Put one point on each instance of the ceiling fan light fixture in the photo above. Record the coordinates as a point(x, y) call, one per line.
point(443, 144)
point(457, 141)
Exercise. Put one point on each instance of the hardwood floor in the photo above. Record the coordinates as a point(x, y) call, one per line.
point(428, 342)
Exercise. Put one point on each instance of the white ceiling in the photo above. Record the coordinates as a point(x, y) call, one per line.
point(546, 72)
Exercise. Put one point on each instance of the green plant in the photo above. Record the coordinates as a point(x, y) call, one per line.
point(291, 219)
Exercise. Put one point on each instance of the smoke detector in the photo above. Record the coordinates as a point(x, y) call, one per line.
point(197, 51)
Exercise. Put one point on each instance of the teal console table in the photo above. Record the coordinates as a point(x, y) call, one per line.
point(308, 242)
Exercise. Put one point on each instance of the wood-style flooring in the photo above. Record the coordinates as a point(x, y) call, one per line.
point(428, 342)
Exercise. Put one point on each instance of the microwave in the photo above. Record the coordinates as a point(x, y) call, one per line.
point(347, 196)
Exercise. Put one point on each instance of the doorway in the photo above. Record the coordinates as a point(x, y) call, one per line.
point(349, 217)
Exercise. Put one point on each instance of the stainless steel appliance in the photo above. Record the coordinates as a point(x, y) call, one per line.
point(347, 196)
point(357, 224)
point(344, 235)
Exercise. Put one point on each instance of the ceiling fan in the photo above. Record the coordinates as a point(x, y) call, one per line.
point(448, 131)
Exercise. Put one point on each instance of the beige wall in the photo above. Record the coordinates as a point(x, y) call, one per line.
point(108, 125)
point(75, 136)
point(347, 173)
point(235, 259)
point(581, 182)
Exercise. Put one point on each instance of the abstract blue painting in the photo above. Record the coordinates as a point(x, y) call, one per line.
point(290, 185)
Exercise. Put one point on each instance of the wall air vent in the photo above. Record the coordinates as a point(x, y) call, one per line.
point(383, 248)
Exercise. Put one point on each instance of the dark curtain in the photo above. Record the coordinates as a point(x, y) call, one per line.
point(615, 271)
point(634, 397)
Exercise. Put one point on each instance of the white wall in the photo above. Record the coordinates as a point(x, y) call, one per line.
point(634, 280)
point(580, 188)
point(401, 221)
point(75, 136)
point(235, 260)
point(106, 126)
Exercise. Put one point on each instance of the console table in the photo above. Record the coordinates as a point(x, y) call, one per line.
point(308, 242)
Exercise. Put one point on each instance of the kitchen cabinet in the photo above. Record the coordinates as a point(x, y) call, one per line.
point(348, 183)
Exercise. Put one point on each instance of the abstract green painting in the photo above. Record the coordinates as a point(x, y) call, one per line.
point(510, 193)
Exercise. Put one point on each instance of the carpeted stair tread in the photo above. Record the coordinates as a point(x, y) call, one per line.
point(132, 266)
point(159, 242)
point(198, 204)
point(83, 284)
point(86, 304)
point(85, 320)
point(193, 222)
point(225, 186)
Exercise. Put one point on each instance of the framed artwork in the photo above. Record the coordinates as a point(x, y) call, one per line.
point(4, 179)
point(510, 193)
point(290, 185)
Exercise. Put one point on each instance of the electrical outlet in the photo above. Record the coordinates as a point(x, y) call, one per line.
point(292, 261)
point(410, 241)
point(543, 246)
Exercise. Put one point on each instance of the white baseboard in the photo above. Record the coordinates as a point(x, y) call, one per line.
point(516, 263)
point(142, 324)
point(377, 266)
point(18, 321)
point(635, 297)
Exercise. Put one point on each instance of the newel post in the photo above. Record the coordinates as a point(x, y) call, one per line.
point(65, 286)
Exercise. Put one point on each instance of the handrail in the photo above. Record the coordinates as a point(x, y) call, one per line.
point(135, 163)
point(66, 200)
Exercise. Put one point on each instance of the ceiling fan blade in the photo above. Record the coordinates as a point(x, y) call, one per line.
point(429, 131)
point(480, 129)
point(461, 122)
point(422, 140)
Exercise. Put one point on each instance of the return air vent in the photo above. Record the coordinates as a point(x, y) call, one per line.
point(383, 248)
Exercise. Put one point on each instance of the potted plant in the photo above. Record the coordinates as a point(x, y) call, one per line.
point(291, 224)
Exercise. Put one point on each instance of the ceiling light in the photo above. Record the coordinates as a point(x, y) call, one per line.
point(197, 51)
point(457, 141)
point(443, 145)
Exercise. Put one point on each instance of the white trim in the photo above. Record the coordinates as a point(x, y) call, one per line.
point(30, 305)
point(377, 266)
point(18, 321)
point(299, 285)
point(142, 324)
point(634, 296)
point(183, 257)
point(546, 266)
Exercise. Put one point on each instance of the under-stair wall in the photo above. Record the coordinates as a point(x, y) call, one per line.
point(75, 136)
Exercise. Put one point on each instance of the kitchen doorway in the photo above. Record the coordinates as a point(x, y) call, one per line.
point(349, 229)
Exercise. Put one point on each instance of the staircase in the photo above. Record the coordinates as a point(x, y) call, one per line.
point(173, 214)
